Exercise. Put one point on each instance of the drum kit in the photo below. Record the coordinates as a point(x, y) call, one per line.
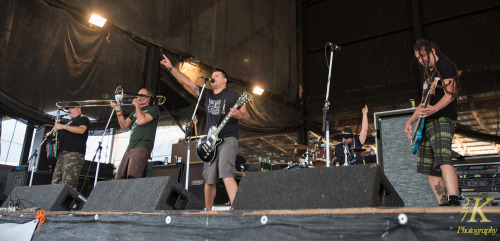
point(316, 156)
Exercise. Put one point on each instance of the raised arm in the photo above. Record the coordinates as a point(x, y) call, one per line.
point(124, 123)
point(364, 126)
point(179, 76)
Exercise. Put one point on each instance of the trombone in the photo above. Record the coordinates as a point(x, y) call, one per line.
point(120, 97)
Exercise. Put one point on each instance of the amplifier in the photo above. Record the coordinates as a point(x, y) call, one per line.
point(479, 180)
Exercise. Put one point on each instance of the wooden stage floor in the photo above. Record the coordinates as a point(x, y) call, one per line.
point(419, 223)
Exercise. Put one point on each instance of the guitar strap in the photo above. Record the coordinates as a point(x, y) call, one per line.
point(222, 104)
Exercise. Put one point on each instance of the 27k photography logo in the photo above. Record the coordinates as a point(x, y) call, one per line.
point(473, 218)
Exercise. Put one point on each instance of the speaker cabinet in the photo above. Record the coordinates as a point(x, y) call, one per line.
point(141, 194)
point(397, 162)
point(22, 178)
point(196, 183)
point(180, 150)
point(312, 188)
point(60, 197)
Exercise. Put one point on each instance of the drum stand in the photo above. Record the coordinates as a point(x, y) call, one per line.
point(346, 153)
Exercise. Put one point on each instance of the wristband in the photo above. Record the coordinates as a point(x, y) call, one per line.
point(119, 111)
point(64, 127)
point(170, 69)
point(119, 114)
point(241, 117)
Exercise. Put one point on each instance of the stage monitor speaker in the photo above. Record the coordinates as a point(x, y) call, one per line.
point(196, 181)
point(141, 194)
point(312, 188)
point(59, 197)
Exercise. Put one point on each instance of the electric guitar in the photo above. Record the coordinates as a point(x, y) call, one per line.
point(206, 147)
point(417, 135)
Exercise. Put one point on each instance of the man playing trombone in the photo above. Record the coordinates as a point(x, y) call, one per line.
point(142, 122)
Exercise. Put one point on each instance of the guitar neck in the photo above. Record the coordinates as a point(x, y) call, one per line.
point(426, 101)
point(223, 123)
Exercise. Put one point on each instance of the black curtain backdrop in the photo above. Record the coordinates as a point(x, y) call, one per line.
point(51, 53)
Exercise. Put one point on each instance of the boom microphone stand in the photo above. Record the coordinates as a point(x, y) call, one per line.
point(33, 162)
point(33, 166)
point(99, 148)
point(188, 133)
point(326, 125)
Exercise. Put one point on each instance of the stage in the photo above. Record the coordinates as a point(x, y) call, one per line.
point(302, 204)
point(427, 223)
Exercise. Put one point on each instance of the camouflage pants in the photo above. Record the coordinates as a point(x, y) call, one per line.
point(68, 167)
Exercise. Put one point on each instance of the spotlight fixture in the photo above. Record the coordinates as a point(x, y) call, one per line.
point(97, 20)
point(258, 90)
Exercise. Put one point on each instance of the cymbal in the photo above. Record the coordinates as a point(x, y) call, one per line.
point(357, 149)
point(339, 137)
point(296, 146)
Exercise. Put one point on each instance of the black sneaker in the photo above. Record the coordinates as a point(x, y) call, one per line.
point(453, 200)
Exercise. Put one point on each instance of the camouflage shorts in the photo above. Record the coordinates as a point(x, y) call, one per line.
point(68, 167)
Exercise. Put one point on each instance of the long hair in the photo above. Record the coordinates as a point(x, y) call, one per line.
point(428, 45)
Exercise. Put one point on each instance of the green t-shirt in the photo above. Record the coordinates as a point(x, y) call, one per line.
point(144, 136)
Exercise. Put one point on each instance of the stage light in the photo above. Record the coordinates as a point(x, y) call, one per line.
point(97, 20)
point(258, 90)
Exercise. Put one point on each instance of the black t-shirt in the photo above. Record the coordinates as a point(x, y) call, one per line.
point(447, 71)
point(339, 152)
point(74, 142)
point(218, 106)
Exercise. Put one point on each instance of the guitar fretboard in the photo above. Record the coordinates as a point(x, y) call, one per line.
point(244, 97)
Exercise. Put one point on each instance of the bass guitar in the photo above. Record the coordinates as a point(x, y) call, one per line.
point(417, 135)
point(206, 147)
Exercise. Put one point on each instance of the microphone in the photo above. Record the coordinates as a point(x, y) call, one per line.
point(334, 47)
point(208, 79)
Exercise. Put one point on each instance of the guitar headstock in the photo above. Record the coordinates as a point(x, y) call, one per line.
point(433, 86)
point(244, 97)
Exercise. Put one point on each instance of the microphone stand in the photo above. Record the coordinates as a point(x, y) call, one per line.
point(326, 125)
point(188, 134)
point(33, 166)
point(99, 149)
